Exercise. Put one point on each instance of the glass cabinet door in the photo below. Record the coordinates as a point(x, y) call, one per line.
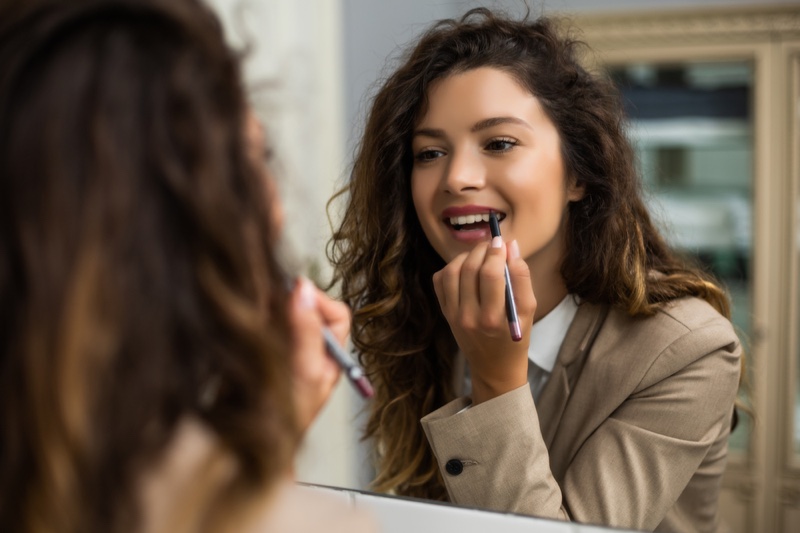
point(692, 129)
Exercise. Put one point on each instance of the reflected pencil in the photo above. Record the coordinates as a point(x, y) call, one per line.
point(353, 372)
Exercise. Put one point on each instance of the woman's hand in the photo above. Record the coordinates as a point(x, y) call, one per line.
point(471, 293)
point(315, 373)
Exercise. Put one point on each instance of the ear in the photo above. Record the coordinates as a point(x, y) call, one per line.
point(575, 191)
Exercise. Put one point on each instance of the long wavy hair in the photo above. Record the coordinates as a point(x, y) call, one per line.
point(384, 264)
point(138, 284)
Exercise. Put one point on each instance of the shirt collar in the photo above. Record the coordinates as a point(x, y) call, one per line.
point(549, 332)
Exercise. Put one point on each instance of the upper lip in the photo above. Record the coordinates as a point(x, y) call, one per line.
point(465, 210)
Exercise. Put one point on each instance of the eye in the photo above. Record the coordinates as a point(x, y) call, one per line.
point(428, 155)
point(503, 144)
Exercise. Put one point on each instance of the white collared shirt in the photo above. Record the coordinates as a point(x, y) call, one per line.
point(547, 335)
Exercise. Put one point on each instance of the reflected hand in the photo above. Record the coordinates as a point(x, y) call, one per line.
point(471, 293)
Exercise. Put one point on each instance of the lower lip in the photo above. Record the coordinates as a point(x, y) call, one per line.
point(471, 236)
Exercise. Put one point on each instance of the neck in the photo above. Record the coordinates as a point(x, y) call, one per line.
point(548, 284)
point(550, 289)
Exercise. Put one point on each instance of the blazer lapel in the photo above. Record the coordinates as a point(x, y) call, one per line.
point(578, 340)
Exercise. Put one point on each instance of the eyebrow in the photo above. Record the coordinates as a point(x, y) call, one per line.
point(494, 121)
point(478, 126)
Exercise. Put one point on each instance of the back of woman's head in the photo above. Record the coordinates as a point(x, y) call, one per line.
point(136, 271)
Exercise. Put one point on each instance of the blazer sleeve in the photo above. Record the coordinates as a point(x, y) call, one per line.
point(505, 464)
point(627, 473)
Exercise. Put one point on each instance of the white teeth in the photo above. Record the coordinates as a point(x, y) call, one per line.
point(469, 219)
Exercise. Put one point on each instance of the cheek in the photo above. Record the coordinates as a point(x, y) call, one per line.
point(421, 196)
point(540, 200)
point(423, 192)
point(547, 183)
point(274, 203)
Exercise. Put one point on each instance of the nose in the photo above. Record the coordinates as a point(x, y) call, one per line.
point(464, 173)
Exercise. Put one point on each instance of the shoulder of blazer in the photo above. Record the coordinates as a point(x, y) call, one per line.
point(646, 349)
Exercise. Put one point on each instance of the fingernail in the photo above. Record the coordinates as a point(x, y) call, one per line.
point(497, 242)
point(308, 296)
point(513, 249)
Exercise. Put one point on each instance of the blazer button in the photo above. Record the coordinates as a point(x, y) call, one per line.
point(454, 467)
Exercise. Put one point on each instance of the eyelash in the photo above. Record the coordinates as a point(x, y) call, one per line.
point(426, 156)
point(501, 140)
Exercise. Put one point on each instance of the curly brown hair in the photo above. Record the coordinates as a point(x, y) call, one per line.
point(136, 261)
point(384, 263)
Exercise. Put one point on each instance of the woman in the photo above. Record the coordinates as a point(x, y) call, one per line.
point(616, 406)
point(156, 373)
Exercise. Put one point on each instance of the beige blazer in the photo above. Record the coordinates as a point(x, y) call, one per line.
point(631, 429)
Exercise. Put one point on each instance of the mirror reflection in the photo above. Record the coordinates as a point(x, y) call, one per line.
point(613, 352)
point(697, 109)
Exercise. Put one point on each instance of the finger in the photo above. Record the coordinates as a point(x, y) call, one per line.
point(310, 358)
point(493, 285)
point(438, 288)
point(336, 315)
point(304, 319)
point(520, 281)
point(451, 279)
point(469, 286)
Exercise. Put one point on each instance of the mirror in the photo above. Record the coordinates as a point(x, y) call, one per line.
point(703, 157)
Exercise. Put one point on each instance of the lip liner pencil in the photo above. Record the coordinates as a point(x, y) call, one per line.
point(353, 372)
point(511, 307)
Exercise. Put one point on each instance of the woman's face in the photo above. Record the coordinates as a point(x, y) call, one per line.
point(485, 144)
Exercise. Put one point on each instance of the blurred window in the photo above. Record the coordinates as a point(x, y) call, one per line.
point(692, 129)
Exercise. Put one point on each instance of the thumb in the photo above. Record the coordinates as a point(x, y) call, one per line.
point(304, 317)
